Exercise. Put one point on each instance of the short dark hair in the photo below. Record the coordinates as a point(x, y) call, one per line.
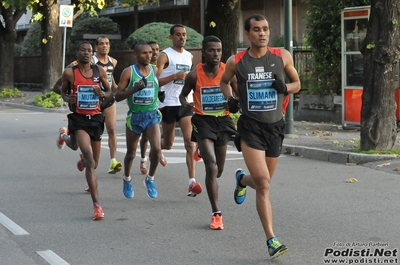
point(209, 38)
point(256, 17)
point(78, 47)
point(172, 29)
point(96, 42)
point(138, 44)
point(152, 42)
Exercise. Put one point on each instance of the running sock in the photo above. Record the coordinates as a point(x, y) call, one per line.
point(127, 178)
point(192, 180)
point(150, 177)
point(217, 213)
point(143, 159)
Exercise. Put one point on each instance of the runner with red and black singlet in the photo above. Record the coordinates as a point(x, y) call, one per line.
point(81, 89)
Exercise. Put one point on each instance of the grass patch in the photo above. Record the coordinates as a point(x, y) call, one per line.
point(11, 93)
point(376, 152)
point(48, 100)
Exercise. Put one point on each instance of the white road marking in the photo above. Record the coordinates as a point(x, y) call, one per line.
point(51, 257)
point(13, 227)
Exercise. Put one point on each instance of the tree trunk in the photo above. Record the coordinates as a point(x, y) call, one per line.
point(51, 47)
point(222, 20)
point(381, 54)
point(8, 35)
point(135, 17)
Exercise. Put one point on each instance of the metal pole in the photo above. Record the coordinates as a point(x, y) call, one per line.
point(63, 59)
point(289, 46)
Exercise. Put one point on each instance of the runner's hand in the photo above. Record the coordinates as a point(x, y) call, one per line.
point(161, 96)
point(141, 84)
point(233, 104)
point(279, 86)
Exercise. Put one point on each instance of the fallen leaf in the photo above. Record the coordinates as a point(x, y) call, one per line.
point(327, 133)
point(383, 165)
point(351, 180)
point(351, 164)
point(396, 169)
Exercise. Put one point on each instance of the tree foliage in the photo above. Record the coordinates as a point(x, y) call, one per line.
point(324, 35)
point(159, 32)
point(222, 20)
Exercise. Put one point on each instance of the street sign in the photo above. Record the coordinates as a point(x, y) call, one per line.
point(64, 2)
point(66, 16)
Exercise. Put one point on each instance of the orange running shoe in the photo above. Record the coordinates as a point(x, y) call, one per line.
point(194, 189)
point(196, 155)
point(98, 212)
point(143, 167)
point(60, 142)
point(216, 222)
point(81, 163)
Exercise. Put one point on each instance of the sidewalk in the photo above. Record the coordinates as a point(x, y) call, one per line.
point(319, 141)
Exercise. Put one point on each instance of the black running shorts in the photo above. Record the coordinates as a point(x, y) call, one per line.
point(172, 114)
point(219, 129)
point(91, 124)
point(262, 136)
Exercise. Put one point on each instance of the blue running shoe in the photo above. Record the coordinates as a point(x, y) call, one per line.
point(275, 249)
point(240, 191)
point(128, 189)
point(151, 187)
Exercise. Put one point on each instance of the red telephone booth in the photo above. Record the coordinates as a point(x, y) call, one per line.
point(354, 30)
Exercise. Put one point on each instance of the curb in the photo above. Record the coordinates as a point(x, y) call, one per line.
point(332, 156)
point(31, 107)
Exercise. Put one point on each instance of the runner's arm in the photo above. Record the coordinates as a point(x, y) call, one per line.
point(121, 92)
point(190, 84)
point(227, 76)
point(291, 72)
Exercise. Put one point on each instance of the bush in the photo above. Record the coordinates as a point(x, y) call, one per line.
point(94, 25)
point(17, 49)
point(32, 41)
point(48, 100)
point(159, 32)
point(11, 93)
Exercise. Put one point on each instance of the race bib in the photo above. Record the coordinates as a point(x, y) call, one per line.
point(261, 96)
point(144, 96)
point(86, 98)
point(212, 99)
point(178, 68)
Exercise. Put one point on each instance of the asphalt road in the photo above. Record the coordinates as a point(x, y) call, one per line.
point(49, 215)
